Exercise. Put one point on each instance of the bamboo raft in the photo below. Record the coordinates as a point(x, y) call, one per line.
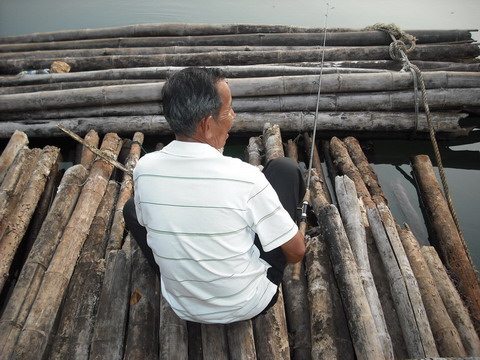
point(75, 285)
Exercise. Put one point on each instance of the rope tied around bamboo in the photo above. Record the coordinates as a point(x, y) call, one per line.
point(418, 76)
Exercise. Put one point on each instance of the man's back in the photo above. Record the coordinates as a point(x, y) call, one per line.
point(201, 211)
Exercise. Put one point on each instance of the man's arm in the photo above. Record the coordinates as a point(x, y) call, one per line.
point(294, 249)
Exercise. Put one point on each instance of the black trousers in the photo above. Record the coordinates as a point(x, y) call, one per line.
point(285, 176)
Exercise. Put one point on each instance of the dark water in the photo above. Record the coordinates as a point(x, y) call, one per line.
point(390, 157)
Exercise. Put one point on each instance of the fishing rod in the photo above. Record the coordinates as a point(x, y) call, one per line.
point(306, 199)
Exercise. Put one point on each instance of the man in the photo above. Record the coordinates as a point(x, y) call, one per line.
point(214, 224)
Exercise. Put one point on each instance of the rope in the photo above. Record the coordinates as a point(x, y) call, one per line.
point(399, 50)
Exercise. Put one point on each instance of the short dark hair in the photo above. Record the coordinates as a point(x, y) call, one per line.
point(188, 96)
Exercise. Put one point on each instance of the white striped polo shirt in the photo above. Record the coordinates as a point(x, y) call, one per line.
point(201, 210)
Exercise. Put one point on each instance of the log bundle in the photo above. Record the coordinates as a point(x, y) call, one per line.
point(116, 76)
point(75, 294)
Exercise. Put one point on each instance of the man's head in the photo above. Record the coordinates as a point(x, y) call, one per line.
point(193, 98)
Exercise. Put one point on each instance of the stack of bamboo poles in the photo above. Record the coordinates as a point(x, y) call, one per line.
point(117, 75)
point(80, 287)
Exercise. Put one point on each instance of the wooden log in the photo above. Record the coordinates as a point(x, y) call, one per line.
point(351, 217)
point(345, 165)
point(126, 192)
point(255, 151)
point(447, 338)
point(214, 341)
point(88, 157)
point(319, 276)
point(184, 29)
point(173, 335)
point(294, 291)
point(366, 171)
point(241, 342)
point(108, 335)
point(20, 217)
point(29, 280)
point(416, 332)
point(17, 141)
point(340, 331)
point(14, 183)
point(451, 247)
point(142, 332)
point(360, 321)
point(383, 289)
point(77, 318)
point(42, 208)
point(270, 331)
point(456, 308)
point(272, 140)
point(422, 52)
point(39, 324)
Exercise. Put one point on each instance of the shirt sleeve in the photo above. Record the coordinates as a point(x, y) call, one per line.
point(136, 199)
point(267, 216)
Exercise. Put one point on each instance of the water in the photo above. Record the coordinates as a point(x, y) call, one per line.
point(391, 158)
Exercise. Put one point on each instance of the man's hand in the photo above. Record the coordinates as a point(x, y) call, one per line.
point(294, 249)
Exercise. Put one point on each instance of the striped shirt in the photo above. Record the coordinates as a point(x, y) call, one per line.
point(202, 210)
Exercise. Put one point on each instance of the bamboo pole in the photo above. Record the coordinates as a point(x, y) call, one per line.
point(18, 141)
point(453, 250)
point(20, 217)
point(455, 306)
point(29, 280)
point(111, 321)
point(378, 123)
point(244, 87)
point(363, 124)
point(163, 72)
point(351, 216)
point(446, 335)
point(39, 324)
point(360, 321)
point(76, 322)
point(438, 52)
point(438, 99)
point(184, 29)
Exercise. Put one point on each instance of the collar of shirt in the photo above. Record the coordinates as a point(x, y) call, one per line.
point(190, 149)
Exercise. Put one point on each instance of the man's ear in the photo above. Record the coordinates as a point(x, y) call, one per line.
point(206, 125)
